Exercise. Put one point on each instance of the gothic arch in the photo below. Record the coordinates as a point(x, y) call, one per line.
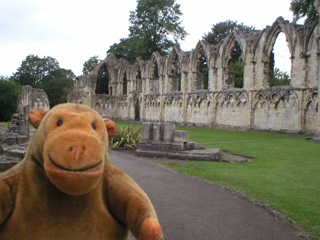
point(176, 51)
point(263, 54)
point(174, 70)
point(229, 44)
point(311, 56)
point(154, 72)
point(200, 66)
point(201, 46)
point(226, 49)
point(280, 25)
point(154, 61)
point(124, 77)
point(106, 82)
point(137, 74)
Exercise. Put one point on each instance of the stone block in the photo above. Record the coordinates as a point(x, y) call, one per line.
point(17, 153)
point(156, 133)
point(10, 140)
point(194, 146)
point(168, 131)
point(177, 146)
point(181, 136)
point(5, 165)
point(22, 139)
point(146, 131)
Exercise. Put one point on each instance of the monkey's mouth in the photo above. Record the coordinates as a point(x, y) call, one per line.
point(74, 170)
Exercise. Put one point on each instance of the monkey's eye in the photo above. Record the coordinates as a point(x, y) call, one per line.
point(94, 126)
point(59, 122)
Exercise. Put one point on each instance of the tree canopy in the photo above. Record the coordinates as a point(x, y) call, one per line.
point(33, 69)
point(57, 84)
point(9, 92)
point(45, 73)
point(89, 65)
point(304, 9)
point(281, 78)
point(221, 30)
point(155, 27)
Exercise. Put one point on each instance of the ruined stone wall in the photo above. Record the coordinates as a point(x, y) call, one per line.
point(28, 99)
point(172, 88)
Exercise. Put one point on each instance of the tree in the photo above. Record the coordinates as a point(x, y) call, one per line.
point(33, 69)
point(155, 27)
point(237, 68)
point(102, 85)
point(129, 48)
point(57, 84)
point(89, 65)
point(281, 78)
point(9, 92)
point(221, 30)
point(304, 8)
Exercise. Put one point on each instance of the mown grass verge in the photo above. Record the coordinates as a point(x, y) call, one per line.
point(285, 173)
point(4, 124)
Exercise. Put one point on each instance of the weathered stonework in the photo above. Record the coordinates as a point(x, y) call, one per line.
point(316, 137)
point(14, 141)
point(171, 88)
point(163, 140)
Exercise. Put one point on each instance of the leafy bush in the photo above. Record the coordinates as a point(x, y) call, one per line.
point(127, 137)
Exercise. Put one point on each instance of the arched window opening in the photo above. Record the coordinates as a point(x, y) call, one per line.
point(154, 81)
point(203, 71)
point(102, 85)
point(236, 67)
point(176, 73)
point(155, 70)
point(280, 62)
point(138, 80)
point(137, 111)
point(124, 83)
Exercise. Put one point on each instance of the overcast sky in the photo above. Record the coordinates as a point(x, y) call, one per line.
point(72, 31)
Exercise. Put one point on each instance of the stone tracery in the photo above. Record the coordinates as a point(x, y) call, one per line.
point(173, 88)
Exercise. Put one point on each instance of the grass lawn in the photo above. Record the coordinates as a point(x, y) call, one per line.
point(4, 124)
point(122, 124)
point(285, 173)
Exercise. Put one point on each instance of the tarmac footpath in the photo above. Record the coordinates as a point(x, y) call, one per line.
point(189, 208)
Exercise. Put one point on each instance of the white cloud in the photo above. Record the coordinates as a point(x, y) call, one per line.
point(73, 31)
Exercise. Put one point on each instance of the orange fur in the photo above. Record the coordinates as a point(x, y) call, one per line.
point(66, 187)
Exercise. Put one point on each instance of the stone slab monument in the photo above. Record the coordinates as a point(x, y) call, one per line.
point(163, 140)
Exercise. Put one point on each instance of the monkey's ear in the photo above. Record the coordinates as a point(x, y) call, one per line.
point(36, 115)
point(111, 127)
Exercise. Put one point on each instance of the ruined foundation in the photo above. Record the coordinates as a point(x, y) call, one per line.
point(14, 141)
point(162, 140)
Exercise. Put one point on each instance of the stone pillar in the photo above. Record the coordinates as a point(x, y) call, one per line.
point(26, 93)
point(168, 131)
point(317, 6)
point(146, 131)
point(26, 110)
point(156, 132)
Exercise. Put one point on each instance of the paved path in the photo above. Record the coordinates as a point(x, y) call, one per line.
point(192, 209)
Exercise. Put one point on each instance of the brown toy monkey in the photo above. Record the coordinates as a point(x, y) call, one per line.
point(66, 187)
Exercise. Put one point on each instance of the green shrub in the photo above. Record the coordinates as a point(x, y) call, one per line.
point(126, 137)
